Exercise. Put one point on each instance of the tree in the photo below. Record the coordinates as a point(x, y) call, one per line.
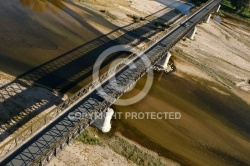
point(240, 5)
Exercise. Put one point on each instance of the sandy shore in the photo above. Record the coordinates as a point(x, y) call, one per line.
point(79, 154)
point(106, 153)
point(219, 53)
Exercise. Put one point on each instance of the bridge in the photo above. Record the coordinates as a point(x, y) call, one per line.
point(58, 129)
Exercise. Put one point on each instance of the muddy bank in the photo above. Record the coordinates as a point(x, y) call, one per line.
point(210, 89)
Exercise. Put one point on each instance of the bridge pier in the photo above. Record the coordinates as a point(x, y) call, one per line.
point(207, 18)
point(218, 9)
point(191, 33)
point(162, 64)
point(103, 121)
point(88, 96)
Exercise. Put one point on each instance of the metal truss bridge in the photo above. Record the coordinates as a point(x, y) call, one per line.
point(94, 98)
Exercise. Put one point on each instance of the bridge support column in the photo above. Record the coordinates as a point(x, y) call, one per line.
point(191, 33)
point(163, 65)
point(103, 121)
point(207, 19)
point(218, 9)
point(163, 62)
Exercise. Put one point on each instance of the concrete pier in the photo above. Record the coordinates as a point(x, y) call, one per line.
point(207, 19)
point(218, 9)
point(191, 33)
point(103, 121)
point(163, 62)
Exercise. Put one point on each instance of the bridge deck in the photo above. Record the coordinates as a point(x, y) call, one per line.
point(57, 132)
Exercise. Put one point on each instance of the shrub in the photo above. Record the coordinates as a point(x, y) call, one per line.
point(136, 18)
point(103, 11)
point(161, 25)
point(87, 139)
point(133, 153)
point(108, 14)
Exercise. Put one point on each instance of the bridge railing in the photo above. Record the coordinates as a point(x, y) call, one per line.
point(83, 123)
point(51, 115)
point(86, 121)
point(54, 113)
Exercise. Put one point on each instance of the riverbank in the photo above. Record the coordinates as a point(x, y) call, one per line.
point(94, 147)
point(211, 90)
point(228, 10)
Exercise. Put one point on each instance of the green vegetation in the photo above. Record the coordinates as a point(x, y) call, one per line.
point(133, 153)
point(233, 8)
point(136, 18)
point(241, 9)
point(240, 5)
point(109, 14)
point(236, 9)
point(121, 146)
point(160, 25)
point(86, 138)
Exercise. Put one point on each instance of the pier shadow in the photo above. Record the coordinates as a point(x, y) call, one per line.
point(42, 87)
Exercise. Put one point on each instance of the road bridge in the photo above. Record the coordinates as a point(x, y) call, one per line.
point(98, 96)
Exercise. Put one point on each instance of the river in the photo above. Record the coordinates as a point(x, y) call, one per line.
point(211, 130)
point(33, 32)
point(214, 127)
point(207, 131)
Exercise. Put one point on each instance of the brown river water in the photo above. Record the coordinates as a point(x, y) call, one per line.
point(213, 129)
point(33, 32)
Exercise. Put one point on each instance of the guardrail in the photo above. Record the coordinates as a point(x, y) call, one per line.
point(51, 115)
point(54, 113)
point(86, 121)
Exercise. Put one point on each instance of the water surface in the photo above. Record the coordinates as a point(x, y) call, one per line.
point(33, 31)
point(213, 130)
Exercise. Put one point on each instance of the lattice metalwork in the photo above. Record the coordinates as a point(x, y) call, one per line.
point(69, 129)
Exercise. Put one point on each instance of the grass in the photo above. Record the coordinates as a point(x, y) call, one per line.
point(86, 138)
point(123, 147)
point(107, 13)
point(136, 18)
point(229, 10)
point(133, 153)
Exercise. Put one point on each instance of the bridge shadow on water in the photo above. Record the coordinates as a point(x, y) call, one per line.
point(42, 87)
